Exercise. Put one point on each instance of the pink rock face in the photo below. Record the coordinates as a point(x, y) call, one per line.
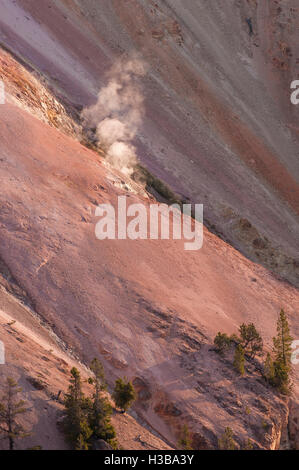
point(148, 308)
point(219, 128)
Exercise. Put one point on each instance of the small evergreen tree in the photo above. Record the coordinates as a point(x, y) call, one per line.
point(239, 360)
point(124, 394)
point(282, 342)
point(101, 410)
point(269, 370)
point(282, 354)
point(282, 380)
point(76, 426)
point(226, 441)
point(222, 342)
point(10, 408)
point(99, 376)
point(250, 339)
point(185, 441)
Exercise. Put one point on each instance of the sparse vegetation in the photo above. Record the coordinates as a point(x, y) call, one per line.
point(269, 370)
point(251, 340)
point(250, 344)
point(281, 378)
point(75, 424)
point(10, 409)
point(124, 394)
point(282, 342)
point(226, 441)
point(222, 342)
point(277, 370)
point(101, 410)
point(239, 359)
point(185, 441)
point(87, 420)
point(142, 175)
point(248, 445)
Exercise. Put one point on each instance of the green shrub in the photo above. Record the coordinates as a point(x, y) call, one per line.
point(222, 342)
point(124, 394)
point(185, 441)
point(226, 441)
point(250, 339)
point(239, 360)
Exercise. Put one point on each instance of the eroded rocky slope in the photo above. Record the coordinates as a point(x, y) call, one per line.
point(219, 126)
point(149, 309)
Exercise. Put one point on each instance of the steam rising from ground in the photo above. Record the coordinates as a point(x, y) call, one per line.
point(118, 113)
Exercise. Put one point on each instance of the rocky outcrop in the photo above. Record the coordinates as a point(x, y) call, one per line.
point(100, 444)
point(293, 425)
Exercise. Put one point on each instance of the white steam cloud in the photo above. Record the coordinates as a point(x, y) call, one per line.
point(118, 113)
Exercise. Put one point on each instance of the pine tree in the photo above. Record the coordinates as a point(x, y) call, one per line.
point(282, 353)
point(124, 394)
point(269, 369)
point(99, 376)
point(185, 441)
point(226, 441)
point(282, 342)
point(10, 409)
point(281, 377)
point(101, 410)
point(239, 360)
point(77, 408)
point(250, 339)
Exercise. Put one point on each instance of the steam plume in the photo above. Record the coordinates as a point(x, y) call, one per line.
point(118, 113)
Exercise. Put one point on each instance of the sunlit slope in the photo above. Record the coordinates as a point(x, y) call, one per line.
point(147, 308)
point(219, 126)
